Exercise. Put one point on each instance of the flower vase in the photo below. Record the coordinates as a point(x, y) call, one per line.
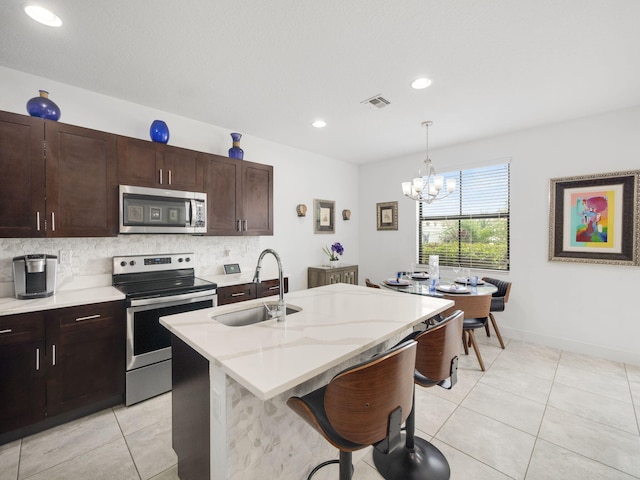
point(333, 263)
point(235, 151)
point(159, 131)
point(43, 107)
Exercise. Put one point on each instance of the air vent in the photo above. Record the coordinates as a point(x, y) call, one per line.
point(377, 101)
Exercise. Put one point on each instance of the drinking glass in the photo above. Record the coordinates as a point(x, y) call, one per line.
point(456, 271)
point(466, 273)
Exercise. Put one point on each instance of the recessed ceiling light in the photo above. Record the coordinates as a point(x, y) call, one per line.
point(421, 83)
point(42, 15)
point(319, 124)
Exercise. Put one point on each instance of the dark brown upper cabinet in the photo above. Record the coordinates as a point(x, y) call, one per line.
point(58, 180)
point(239, 196)
point(157, 165)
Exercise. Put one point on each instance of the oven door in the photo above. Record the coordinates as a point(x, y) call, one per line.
point(149, 342)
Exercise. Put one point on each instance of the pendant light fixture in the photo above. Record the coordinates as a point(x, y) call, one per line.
point(428, 186)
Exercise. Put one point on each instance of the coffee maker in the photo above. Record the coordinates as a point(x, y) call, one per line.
point(34, 276)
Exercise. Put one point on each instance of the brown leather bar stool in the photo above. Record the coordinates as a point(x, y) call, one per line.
point(436, 364)
point(362, 405)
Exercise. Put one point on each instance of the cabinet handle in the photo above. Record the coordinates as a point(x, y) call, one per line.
point(8, 330)
point(38, 221)
point(88, 317)
point(238, 294)
point(169, 177)
point(53, 221)
point(53, 352)
point(160, 177)
point(37, 359)
point(238, 227)
point(244, 225)
point(276, 287)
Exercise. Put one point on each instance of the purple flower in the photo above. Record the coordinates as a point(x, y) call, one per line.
point(339, 249)
point(335, 250)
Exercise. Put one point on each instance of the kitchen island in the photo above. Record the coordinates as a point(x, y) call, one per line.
point(231, 384)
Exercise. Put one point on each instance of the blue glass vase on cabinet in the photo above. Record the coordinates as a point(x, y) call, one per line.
point(235, 151)
point(159, 131)
point(43, 107)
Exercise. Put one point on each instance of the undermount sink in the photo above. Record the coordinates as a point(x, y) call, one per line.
point(252, 315)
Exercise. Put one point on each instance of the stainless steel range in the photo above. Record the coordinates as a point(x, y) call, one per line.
point(156, 286)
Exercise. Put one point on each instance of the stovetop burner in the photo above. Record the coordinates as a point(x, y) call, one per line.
point(151, 276)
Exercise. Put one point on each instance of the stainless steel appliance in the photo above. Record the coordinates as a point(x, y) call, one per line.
point(158, 210)
point(34, 276)
point(155, 286)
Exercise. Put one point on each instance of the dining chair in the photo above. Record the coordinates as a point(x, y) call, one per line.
point(498, 301)
point(436, 364)
point(363, 405)
point(476, 310)
point(369, 283)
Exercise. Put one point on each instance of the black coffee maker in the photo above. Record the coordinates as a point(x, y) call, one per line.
point(34, 276)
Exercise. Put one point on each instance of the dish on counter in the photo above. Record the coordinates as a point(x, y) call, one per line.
point(467, 281)
point(452, 288)
point(397, 283)
point(420, 275)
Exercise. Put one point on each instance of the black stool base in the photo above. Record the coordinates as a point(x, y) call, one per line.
point(426, 462)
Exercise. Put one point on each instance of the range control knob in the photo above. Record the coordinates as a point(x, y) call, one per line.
point(180, 260)
point(123, 263)
point(132, 263)
point(187, 259)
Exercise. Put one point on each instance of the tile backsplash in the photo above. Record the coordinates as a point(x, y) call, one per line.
point(92, 256)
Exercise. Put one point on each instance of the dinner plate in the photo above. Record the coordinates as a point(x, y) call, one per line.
point(452, 288)
point(462, 280)
point(420, 275)
point(397, 283)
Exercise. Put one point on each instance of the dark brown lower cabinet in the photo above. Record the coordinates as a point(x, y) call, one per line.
point(190, 411)
point(249, 291)
point(58, 365)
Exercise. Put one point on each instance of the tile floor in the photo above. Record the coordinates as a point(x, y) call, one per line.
point(537, 413)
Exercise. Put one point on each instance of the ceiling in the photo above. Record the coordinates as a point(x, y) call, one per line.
point(269, 68)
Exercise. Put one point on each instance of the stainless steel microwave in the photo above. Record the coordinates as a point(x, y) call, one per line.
point(159, 210)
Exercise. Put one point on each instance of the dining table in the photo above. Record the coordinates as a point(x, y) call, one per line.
point(417, 283)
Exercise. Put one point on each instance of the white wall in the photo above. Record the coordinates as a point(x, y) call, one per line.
point(299, 177)
point(585, 308)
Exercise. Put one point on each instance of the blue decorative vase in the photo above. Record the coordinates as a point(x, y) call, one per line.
point(236, 151)
point(159, 131)
point(43, 107)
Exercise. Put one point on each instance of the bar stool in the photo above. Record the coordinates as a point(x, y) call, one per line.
point(436, 364)
point(362, 405)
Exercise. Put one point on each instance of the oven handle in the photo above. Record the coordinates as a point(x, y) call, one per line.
point(173, 299)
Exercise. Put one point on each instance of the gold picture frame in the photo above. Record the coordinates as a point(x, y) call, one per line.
point(324, 216)
point(387, 215)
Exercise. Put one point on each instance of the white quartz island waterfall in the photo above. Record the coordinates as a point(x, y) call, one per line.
point(247, 374)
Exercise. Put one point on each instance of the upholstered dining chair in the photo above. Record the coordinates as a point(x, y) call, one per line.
point(362, 405)
point(476, 310)
point(498, 301)
point(436, 364)
point(369, 283)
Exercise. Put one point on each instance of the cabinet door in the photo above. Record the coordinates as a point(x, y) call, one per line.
point(22, 367)
point(236, 293)
point(86, 354)
point(257, 195)
point(222, 184)
point(333, 277)
point(138, 163)
point(81, 182)
point(22, 195)
point(350, 276)
point(179, 168)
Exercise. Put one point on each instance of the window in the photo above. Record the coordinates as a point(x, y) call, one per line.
point(470, 227)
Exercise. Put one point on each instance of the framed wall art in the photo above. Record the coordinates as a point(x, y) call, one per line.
point(594, 218)
point(387, 215)
point(324, 216)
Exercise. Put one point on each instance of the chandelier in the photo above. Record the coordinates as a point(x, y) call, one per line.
point(428, 186)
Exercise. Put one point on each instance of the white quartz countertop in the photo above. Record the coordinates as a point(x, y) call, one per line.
point(336, 323)
point(62, 298)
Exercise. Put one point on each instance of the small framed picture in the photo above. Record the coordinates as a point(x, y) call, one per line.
point(155, 214)
point(174, 215)
point(324, 216)
point(135, 213)
point(231, 268)
point(387, 215)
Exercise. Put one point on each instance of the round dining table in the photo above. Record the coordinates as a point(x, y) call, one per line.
point(419, 285)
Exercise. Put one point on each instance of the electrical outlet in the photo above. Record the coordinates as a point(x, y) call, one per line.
point(64, 257)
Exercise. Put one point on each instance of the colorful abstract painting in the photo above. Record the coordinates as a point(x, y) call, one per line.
point(590, 220)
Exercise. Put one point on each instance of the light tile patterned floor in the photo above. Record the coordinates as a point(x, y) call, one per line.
point(536, 414)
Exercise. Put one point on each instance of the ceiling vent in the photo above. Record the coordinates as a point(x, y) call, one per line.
point(377, 101)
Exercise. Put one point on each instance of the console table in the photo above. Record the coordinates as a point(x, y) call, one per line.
point(319, 276)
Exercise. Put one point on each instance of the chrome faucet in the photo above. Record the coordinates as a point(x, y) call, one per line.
point(281, 308)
